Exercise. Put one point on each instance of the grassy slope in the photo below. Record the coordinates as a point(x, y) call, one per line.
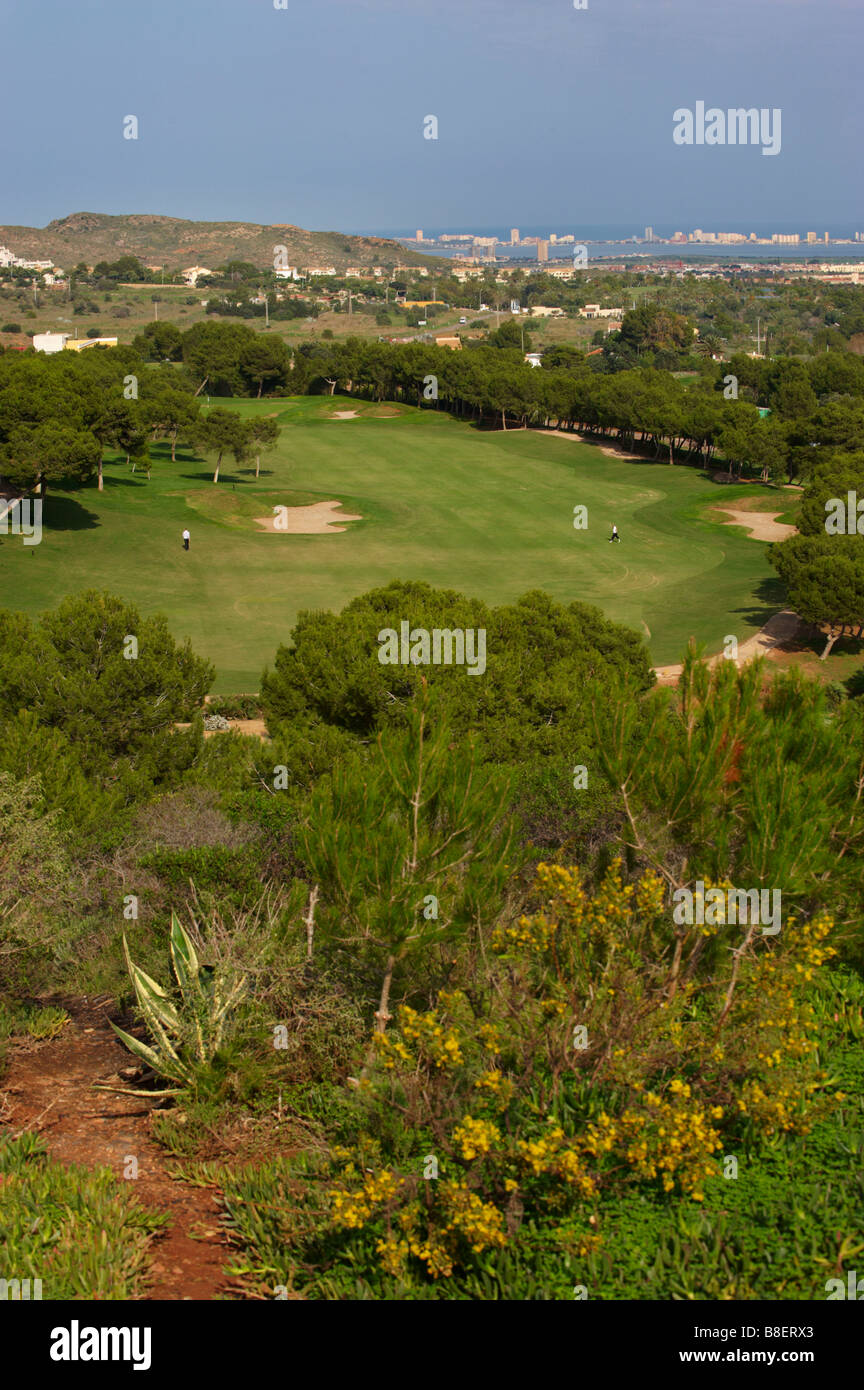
point(488, 513)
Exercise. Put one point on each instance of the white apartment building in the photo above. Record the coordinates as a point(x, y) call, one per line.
point(8, 258)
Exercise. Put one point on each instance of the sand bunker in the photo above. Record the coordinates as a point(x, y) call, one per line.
point(761, 525)
point(608, 449)
point(313, 520)
point(342, 415)
point(777, 634)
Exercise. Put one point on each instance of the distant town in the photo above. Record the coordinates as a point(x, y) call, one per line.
point(486, 247)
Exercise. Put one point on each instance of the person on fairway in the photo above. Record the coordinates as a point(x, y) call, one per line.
point(614, 536)
point(186, 540)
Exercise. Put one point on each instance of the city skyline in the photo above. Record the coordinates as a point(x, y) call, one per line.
point(697, 234)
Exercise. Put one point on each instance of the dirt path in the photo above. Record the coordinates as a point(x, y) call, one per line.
point(49, 1089)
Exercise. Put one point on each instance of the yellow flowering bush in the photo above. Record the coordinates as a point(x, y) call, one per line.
point(426, 1034)
point(352, 1208)
point(603, 1045)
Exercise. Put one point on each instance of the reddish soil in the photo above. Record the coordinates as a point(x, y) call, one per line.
point(49, 1089)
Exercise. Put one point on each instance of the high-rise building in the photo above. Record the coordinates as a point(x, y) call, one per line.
point(542, 250)
point(811, 237)
point(514, 236)
point(826, 238)
point(649, 233)
point(419, 235)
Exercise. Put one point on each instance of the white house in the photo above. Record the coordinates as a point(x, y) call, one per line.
point(50, 342)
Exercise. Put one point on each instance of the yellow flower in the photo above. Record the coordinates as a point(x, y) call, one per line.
point(476, 1137)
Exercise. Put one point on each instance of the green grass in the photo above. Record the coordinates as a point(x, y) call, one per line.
point(489, 513)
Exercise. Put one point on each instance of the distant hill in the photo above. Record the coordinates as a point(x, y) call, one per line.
point(175, 243)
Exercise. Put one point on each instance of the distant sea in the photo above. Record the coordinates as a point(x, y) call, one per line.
point(614, 243)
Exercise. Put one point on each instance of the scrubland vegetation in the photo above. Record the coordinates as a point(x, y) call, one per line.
point(426, 1019)
point(404, 981)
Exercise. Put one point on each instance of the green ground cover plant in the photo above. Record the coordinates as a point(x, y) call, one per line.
point(77, 1230)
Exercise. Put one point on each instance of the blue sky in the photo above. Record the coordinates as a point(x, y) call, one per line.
point(314, 114)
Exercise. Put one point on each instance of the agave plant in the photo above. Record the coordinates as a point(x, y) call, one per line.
point(184, 1038)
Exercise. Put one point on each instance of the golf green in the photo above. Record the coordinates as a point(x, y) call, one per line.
point(490, 513)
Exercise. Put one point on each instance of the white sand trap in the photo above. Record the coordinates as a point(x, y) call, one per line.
point(608, 449)
point(313, 520)
point(761, 525)
point(782, 628)
point(343, 415)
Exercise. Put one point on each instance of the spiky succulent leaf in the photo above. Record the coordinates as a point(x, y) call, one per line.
point(152, 1057)
point(188, 971)
point(185, 961)
point(159, 1004)
point(158, 1012)
point(149, 1095)
point(226, 1000)
point(149, 992)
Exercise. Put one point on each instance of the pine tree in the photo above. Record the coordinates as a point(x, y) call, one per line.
point(409, 849)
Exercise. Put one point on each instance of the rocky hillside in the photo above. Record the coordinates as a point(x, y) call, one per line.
point(175, 243)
